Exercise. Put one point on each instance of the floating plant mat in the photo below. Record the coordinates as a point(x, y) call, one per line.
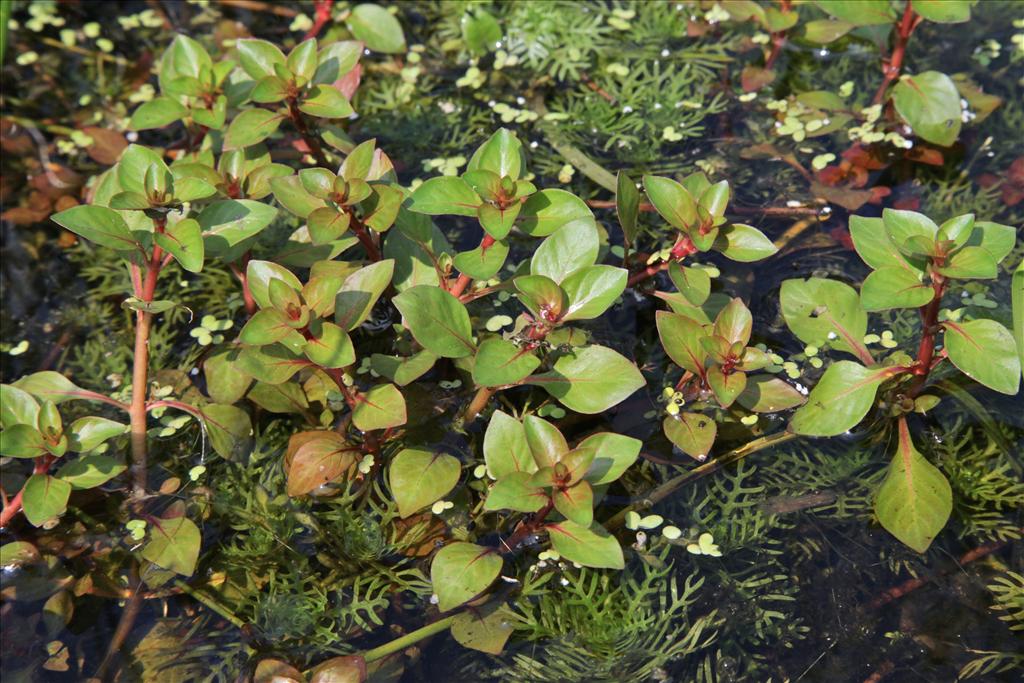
point(527, 341)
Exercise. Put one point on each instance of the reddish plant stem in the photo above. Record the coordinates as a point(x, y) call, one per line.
point(891, 67)
point(299, 121)
point(527, 527)
point(648, 272)
point(897, 592)
point(140, 371)
point(778, 40)
point(929, 330)
point(479, 402)
point(42, 466)
point(362, 233)
point(240, 273)
point(320, 18)
point(463, 281)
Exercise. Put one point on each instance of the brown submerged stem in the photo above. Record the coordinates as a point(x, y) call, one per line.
point(479, 402)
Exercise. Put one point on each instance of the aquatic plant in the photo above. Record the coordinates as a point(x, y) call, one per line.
point(408, 385)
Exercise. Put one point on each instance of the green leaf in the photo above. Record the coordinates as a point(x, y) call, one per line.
point(715, 199)
point(614, 454)
point(98, 224)
point(415, 253)
point(336, 60)
point(824, 31)
point(909, 228)
point(22, 441)
point(437, 320)
point(590, 380)
point(230, 430)
point(90, 471)
point(957, 230)
point(376, 27)
point(267, 327)
point(403, 371)
point(131, 169)
point(481, 32)
point(547, 445)
point(302, 60)
point(269, 90)
point(506, 449)
point(418, 478)
point(994, 238)
point(767, 394)
point(859, 12)
point(816, 308)
point(50, 386)
point(497, 222)
point(445, 195)
point(516, 491)
point(499, 362)
point(482, 263)
point(726, 387)
point(693, 433)
point(173, 544)
point(546, 211)
point(287, 398)
point(251, 126)
point(258, 57)
point(322, 458)
point(743, 243)
point(681, 338)
point(627, 206)
point(381, 407)
point(331, 348)
point(461, 571)
point(290, 193)
point(592, 290)
point(86, 433)
point(944, 11)
point(672, 201)
point(184, 241)
point(229, 222)
point(590, 547)
point(570, 248)
point(694, 284)
point(486, 628)
point(930, 103)
point(982, 350)
point(501, 154)
point(542, 296)
point(270, 364)
point(970, 263)
point(17, 407)
point(258, 275)
point(225, 383)
point(893, 287)
point(915, 499)
point(360, 292)
point(157, 113)
point(326, 102)
point(841, 399)
point(575, 503)
point(734, 322)
point(873, 244)
point(43, 498)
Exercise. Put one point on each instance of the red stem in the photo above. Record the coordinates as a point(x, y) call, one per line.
point(463, 281)
point(240, 273)
point(322, 16)
point(526, 528)
point(929, 330)
point(892, 67)
point(778, 40)
point(363, 234)
point(311, 140)
point(648, 272)
point(479, 402)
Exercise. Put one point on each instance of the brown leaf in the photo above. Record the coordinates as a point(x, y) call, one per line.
point(107, 145)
